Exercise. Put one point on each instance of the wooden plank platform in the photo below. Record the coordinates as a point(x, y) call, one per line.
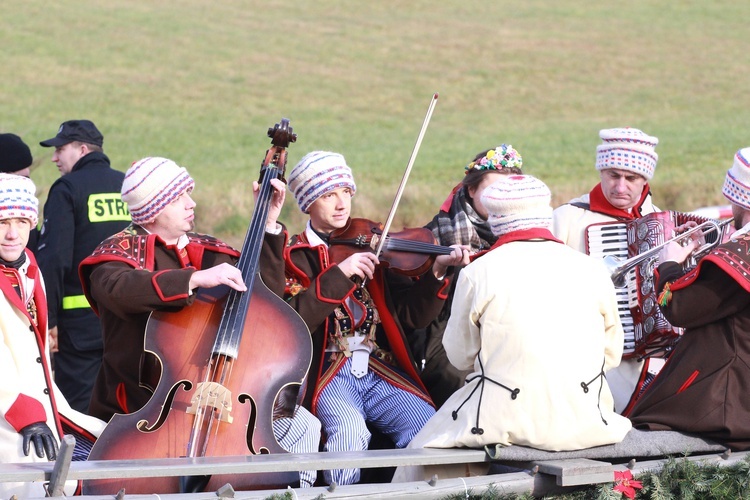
point(542, 478)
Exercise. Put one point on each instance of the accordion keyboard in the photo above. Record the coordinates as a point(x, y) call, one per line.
point(612, 239)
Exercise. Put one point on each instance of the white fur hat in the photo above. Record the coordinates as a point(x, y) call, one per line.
point(151, 184)
point(516, 202)
point(316, 174)
point(627, 149)
point(18, 198)
point(737, 181)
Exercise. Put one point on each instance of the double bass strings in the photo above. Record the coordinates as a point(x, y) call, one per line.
point(226, 346)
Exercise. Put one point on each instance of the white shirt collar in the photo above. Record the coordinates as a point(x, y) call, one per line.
point(182, 241)
point(313, 237)
point(744, 229)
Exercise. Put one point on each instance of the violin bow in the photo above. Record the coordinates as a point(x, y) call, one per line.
point(401, 187)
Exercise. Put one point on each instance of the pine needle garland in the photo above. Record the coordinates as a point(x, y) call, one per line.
point(678, 479)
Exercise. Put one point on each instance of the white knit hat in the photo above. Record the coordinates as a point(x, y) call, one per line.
point(516, 202)
point(316, 174)
point(737, 182)
point(151, 184)
point(18, 198)
point(627, 149)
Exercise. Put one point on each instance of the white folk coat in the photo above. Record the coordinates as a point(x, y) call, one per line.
point(540, 318)
point(27, 386)
point(569, 224)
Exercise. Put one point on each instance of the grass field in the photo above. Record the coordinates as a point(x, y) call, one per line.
point(200, 82)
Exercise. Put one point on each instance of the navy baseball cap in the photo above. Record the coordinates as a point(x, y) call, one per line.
point(75, 131)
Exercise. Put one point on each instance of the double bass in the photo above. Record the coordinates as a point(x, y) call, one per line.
point(229, 364)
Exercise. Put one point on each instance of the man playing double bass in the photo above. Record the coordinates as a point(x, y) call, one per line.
point(156, 264)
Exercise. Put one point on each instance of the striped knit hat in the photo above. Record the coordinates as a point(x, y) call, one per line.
point(516, 202)
point(627, 149)
point(18, 198)
point(316, 174)
point(151, 184)
point(737, 182)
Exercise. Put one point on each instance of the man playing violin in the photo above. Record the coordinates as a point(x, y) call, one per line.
point(157, 263)
point(702, 389)
point(626, 161)
point(362, 370)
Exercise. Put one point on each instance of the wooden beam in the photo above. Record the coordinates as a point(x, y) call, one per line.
point(278, 462)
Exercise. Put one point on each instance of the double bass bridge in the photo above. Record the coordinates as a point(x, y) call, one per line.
point(214, 395)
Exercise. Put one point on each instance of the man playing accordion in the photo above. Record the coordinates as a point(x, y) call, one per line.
point(626, 161)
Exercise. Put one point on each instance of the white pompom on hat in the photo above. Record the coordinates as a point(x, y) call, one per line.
point(151, 184)
point(516, 202)
point(627, 149)
point(18, 198)
point(316, 174)
point(737, 181)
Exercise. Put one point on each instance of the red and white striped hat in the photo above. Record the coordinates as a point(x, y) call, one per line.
point(316, 174)
point(516, 202)
point(737, 181)
point(18, 198)
point(151, 184)
point(627, 149)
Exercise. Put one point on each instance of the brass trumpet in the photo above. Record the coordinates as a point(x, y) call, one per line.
point(619, 268)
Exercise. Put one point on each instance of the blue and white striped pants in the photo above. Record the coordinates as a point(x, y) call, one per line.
point(299, 434)
point(348, 402)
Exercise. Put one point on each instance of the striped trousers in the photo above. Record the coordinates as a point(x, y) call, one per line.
point(347, 403)
point(299, 434)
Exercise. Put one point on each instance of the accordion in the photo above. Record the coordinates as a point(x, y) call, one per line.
point(647, 332)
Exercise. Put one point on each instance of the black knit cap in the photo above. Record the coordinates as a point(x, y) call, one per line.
point(15, 155)
point(75, 130)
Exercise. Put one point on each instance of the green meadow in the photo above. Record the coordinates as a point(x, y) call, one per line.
point(201, 82)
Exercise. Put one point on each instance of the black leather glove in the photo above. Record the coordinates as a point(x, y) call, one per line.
point(44, 440)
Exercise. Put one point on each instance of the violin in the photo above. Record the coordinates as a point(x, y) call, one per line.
point(411, 251)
